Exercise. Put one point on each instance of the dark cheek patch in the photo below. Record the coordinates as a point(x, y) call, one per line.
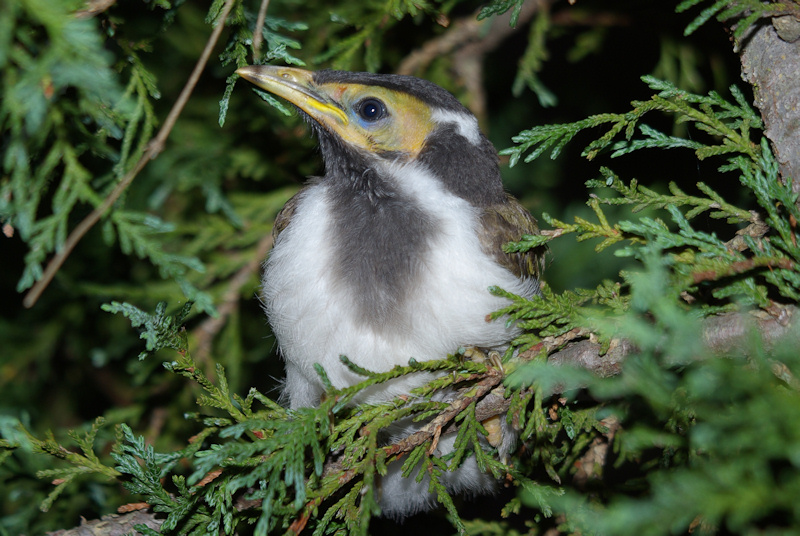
point(466, 170)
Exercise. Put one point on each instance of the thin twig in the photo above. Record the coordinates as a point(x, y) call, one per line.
point(258, 34)
point(94, 7)
point(465, 31)
point(153, 149)
point(469, 40)
point(433, 429)
point(461, 31)
point(230, 300)
point(468, 61)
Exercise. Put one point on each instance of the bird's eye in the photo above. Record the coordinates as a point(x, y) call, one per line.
point(371, 110)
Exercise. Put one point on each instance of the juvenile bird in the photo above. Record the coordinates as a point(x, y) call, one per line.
point(390, 255)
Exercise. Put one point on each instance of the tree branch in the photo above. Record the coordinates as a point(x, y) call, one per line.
point(722, 336)
point(485, 34)
point(258, 33)
point(433, 430)
point(469, 40)
point(153, 149)
point(206, 331)
point(770, 65)
point(113, 525)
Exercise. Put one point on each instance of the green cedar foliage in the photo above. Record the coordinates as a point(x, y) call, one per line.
point(743, 13)
point(680, 441)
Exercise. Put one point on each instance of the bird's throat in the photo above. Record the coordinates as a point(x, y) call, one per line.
point(380, 240)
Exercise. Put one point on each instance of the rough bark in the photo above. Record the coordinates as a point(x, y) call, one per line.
point(770, 56)
point(113, 525)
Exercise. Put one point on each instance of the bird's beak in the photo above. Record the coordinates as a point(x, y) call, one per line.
point(297, 86)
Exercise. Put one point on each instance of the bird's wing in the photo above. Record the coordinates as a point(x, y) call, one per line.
point(507, 222)
point(284, 217)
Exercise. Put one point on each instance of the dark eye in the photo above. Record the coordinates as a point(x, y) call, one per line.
point(371, 109)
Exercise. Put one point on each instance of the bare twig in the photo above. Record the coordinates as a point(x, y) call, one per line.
point(573, 17)
point(94, 7)
point(460, 32)
point(469, 40)
point(114, 525)
point(153, 149)
point(468, 62)
point(433, 429)
point(258, 33)
point(206, 331)
point(465, 31)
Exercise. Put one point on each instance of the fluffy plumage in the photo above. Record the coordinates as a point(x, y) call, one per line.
point(390, 255)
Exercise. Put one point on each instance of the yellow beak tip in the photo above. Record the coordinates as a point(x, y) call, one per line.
point(247, 72)
point(296, 86)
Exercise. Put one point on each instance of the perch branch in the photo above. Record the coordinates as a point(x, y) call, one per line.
point(722, 335)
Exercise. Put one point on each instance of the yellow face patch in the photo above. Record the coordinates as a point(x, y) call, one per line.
point(373, 118)
point(400, 123)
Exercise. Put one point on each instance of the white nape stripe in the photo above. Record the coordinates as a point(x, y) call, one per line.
point(467, 124)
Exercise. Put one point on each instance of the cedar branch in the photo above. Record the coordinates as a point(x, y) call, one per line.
point(154, 148)
point(722, 336)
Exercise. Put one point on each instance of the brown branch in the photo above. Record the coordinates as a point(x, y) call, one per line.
point(468, 62)
point(599, 19)
point(469, 40)
point(258, 36)
point(113, 525)
point(741, 267)
point(433, 429)
point(770, 64)
point(94, 7)
point(209, 329)
point(465, 31)
point(154, 148)
point(722, 336)
point(459, 33)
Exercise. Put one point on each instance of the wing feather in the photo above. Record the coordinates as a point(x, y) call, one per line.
point(284, 216)
point(508, 222)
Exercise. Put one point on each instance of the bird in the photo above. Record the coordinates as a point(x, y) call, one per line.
point(390, 254)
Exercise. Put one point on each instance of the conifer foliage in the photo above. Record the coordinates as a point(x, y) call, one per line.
point(137, 194)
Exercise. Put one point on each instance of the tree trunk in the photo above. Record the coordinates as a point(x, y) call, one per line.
point(770, 55)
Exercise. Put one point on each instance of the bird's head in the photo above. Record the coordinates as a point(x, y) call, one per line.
point(365, 119)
